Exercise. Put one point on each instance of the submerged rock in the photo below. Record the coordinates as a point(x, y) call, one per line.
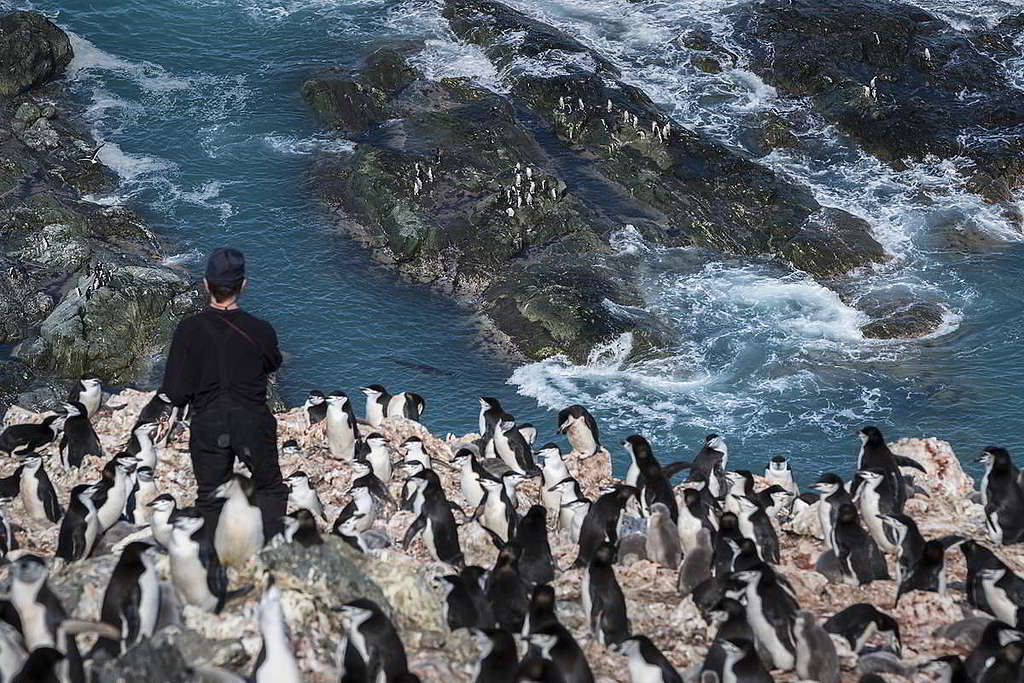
point(898, 79)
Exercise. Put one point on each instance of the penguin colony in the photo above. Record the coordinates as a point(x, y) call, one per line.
point(536, 555)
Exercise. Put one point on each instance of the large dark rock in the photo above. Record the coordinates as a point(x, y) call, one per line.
point(901, 81)
point(81, 285)
point(508, 201)
point(153, 659)
point(32, 51)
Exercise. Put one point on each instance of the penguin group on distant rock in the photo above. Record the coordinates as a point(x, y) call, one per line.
point(719, 533)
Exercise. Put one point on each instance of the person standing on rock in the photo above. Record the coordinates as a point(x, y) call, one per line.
point(218, 363)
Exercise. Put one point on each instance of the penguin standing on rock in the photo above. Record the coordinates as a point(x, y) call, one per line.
point(342, 431)
point(511, 446)
point(771, 613)
point(371, 649)
point(833, 494)
point(580, 427)
point(875, 454)
point(506, 590)
point(19, 439)
point(603, 601)
point(79, 440)
point(536, 565)
point(131, 602)
point(755, 525)
point(496, 514)
point(663, 544)
point(162, 511)
point(276, 662)
point(196, 572)
point(88, 391)
point(8, 541)
point(239, 532)
point(816, 658)
point(557, 657)
point(646, 662)
point(858, 622)
point(928, 573)
point(408, 405)
point(1002, 497)
point(302, 495)
point(742, 663)
point(80, 527)
point(146, 453)
point(379, 456)
point(696, 565)
point(377, 399)
point(498, 656)
point(860, 560)
point(440, 533)
point(315, 408)
point(490, 415)
point(651, 481)
point(778, 473)
point(602, 521)
point(874, 499)
point(553, 470)
point(37, 492)
point(1004, 591)
point(111, 494)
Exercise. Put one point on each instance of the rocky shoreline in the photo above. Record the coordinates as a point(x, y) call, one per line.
point(82, 287)
point(404, 580)
point(512, 202)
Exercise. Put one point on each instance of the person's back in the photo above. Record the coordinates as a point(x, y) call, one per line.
point(219, 363)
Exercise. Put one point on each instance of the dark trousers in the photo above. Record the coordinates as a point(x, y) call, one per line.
point(224, 431)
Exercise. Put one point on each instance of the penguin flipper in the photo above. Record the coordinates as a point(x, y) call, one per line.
point(52, 506)
point(130, 618)
point(904, 461)
point(415, 528)
point(951, 541)
point(495, 538)
point(675, 468)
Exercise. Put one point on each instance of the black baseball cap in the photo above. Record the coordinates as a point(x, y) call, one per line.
point(225, 267)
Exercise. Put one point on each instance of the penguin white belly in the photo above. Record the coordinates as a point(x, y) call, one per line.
point(494, 519)
point(632, 473)
point(869, 631)
point(189, 578)
point(381, 464)
point(341, 440)
point(374, 412)
point(30, 497)
point(92, 530)
point(585, 594)
point(577, 524)
point(149, 601)
point(825, 519)
point(33, 626)
point(642, 672)
point(113, 506)
point(566, 519)
point(1002, 607)
point(728, 674)
point(239, 533)
point(875, 526)
point(984, 486)
point(581, 439)
point(428, 538)
point(279, 664)
point(160, 528)
point(764, 632)
point(688, 528)
point(803, 657)
point(147, 456)
point(504, 451)
point(470, 485)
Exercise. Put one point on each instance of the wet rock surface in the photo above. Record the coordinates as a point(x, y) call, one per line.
point(82, 289)
point(899, 80)
point(479, 192)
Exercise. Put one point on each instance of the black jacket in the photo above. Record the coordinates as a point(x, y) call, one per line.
point(207, 351)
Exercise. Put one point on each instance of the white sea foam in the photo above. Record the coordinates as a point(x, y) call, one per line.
point(89, 59)
point(130, 167)
point(291, 145)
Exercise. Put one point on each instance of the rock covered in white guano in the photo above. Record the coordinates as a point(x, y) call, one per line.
point(313, 581)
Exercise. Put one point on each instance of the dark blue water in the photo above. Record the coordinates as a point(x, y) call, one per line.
point(197, 102)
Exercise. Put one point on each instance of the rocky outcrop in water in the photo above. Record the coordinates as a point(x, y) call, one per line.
point(899, 80)
point(32, 51)
point(511, 200)
point(81, 285)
